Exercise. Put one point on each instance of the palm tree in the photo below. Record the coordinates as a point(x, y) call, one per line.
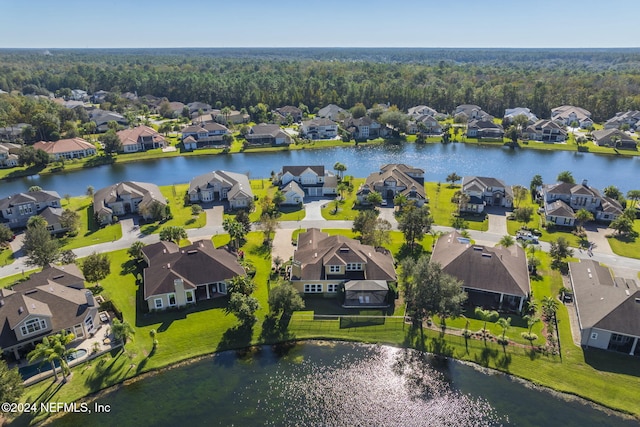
point(340, 168)
point(122, 331)
point(504, 324)
point(506, 241)
point(463, 199)
point(341, 188)
point(583, 216)
point(549, 307)
point(486, 316)
point(62, 339)
point(45, 350)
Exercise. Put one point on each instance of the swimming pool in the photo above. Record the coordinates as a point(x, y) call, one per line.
point(39, 368)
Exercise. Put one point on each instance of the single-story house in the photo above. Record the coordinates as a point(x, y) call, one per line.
point(493, 277)
point(511, 113)
point(221, 185)
point(469, 112)
point(281, 114)
point(608, 307)
point(72, 148)
point(484, 129)
point(614, 138)
point(175, 277)
point(267, 134)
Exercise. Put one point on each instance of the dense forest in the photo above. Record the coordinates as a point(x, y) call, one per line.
point(604, 81)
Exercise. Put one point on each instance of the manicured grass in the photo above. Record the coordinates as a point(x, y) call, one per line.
point(181, 213)
point(89, 232)
point(443, 209)
point(347, 209)
point(6, 255)
point(626, 246)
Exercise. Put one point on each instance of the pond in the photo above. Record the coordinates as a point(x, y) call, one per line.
point(438, 160)
point(338, 384)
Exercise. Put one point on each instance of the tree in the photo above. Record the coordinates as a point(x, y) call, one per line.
point(512, 133)
point(70, 220)
point(453, 178)
point(153, 334)
point(429, 291)
point(613, 192)
point(549, 307)
point(28, 156)
point(243, 218)
point(268, 224)
point(279, 198)
point(196, 210)
point(241, 284)
point(11, 383)
point(62, 339)
point(523, 215)
point(414, 223)
point(566, 176)
point(364, 223)
point(39, 246)
point(559, 251)
point(5, 234)
point(90, 191)
point(634, 196)
point(111, 142)
point(358, 110)
point(67, 257)
point(505, 324)
point(615, 141)
point(236, 231)
point(519, 194)
point(536, 182)
point(463, 200)
point(155, 210)
point(285, 299)
point(506, 241)
point(135, 251)
point(96, 267)
point(244, 307)
point(122, 331)
point(583, 216)
point(623, 225)
point(374, 198)
point(486, 316)
point(173, 233)
point(34, 189)
point(340, 169)
point(45, 351)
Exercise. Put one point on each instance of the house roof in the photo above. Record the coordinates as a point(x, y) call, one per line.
point(293, 187)
point(603, 137)
point(559, 208)
point(197, 264)
point(289, 109)
point(611, 206)
point(567, 189)
point(235, 182)
point(146, 191)
point(133, 136)
point(484, 125)
point(512, 113)
point(421, 110)
point(483, 183)
point(51, 215)
point(205, 127)
point(41, 196)
point(317, 250)
point(319, 121)
point(264, 130)
point(498, 269)
point(366, 285)
point(605, 302)
point(400, 172)
point(564, 111)
point(331, 111)
point(299, 170)
point(63, 146)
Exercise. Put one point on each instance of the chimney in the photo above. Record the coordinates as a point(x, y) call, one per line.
point(91, 301)
point(584, 182)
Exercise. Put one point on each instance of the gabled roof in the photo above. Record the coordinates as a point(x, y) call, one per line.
point(205, 128)
point(611, 206)
point(51, 215)
point(400, 173)
point(31, 196)
point(299, 170)
point(317, 250)
point(604, 136)
point(226, 179)
point(502, 270)
point(133, 136)
point(319, 121)
point(482, 183)
point(484, 125)
point(197, 264)
point(512, 113)
point(605, 302)
point(564, 111)
point(331, 111)
point(559, 208)
point(568, 189)
point(289, 109)
point(292, 187)
point(147, 191)
point(421, 110)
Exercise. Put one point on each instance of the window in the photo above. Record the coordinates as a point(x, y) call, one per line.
point(332, 287)
point(190, 298)
point(88, 323)
point(354, 266)
point(157, 303)
point(313, 288)
point(334, 269)
point(594, 335)
point(222, 288)
point(567, 221)
point(619, 339)
point(33, 325)
point(172, 300)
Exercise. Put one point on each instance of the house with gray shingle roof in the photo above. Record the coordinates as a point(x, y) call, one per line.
point(567, 114)
point(394, 179)
point(613, 138)
point(511, 113)
point(485, 191)
point(484, 129)
point(50, 301)
point(574, 198)
point(469, 112)
point(608, 307)
point(16, 209)
point(630, 118)
point(176, 277)
point(493, 277)
point(319, 128)
point(221, 185)
point(315, 181)
point(127, 197)
point(267, 134)
point(545, 131)
point(333, 112)
point(322, 264)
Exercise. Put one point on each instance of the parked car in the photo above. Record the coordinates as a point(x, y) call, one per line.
point(526, 236)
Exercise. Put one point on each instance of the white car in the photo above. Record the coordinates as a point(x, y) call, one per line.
point(526, 236)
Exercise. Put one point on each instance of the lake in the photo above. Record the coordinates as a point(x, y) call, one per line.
point(338, 384)
point(438, 160)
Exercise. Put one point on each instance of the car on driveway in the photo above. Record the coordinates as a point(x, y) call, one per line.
point(526, 236)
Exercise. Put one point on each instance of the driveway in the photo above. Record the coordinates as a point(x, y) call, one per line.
point(597, 236)
point(282, 246)
point(387, 212)
point(313, 209)
point(497, 221)
point(130, 230)
point(214, 216)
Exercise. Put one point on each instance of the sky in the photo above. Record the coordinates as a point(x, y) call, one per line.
point(326, 23)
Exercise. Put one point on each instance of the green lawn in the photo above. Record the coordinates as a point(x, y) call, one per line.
point(626, 246)
point(6, 255)
point(89, 233)
point(347, 209)
point(443, 209)
point(181, 213)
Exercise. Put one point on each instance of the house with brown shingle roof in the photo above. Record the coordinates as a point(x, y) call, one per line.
point(127, 197)
point(281, 114)
point(322, 264)
point(176, 277)
point(394, 179)
point(50, 301)
point(485, 191)
point(494, 278)
point(140, 138)
point(205, 134)
point(267, 134)
point(314, 180)
point(608, 307)
point(221, 185)
point(72, 148)
point(574, 198)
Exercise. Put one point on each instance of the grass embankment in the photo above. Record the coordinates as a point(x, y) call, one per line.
point(181, 212)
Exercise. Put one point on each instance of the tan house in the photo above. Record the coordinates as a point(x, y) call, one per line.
point(568, 114)
point(394, 179)
point(314, 180)
point(485, 191)
point(73, 148)
point(221, 185)
point(176, 277)
point(140, 138)
point(127, 197)
point(324, 264)
point(50, 301)
point(493, 277)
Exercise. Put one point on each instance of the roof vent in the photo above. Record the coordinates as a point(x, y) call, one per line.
point(478, 248)
point(20, 310)
point(590, 276)
point(637, 300)
point(1, 302)
point(344, 249)
point(315, 254)
point(60, 276)
point(191, 252)
point(626, 291)
point(486, 255)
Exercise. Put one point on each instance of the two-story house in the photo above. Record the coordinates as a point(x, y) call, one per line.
point(140, 138)
point(485, 191)
point(562, 200)
point(511, 113)
point(421, 110)
point(315, 181)
point(332, 112)
point(630, 118)
point(16, 209)
point(324, 264)
point(469, 112)
point(366, 128)
point(50, 301)
point(484, 129)
point(221, 185)
point(176, 277)
point(568, 114)
point(9, 154)
point(394, 179)
point(319, 129)
point(127, 197)
point(545, 131)
point(282, 114)
point(209, 134)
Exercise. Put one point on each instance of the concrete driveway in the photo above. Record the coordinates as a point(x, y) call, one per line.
point(387, 212)
point(313, 209)
point(282, 246)
point(215, 215)
point(597, 236)
point(497, 221)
